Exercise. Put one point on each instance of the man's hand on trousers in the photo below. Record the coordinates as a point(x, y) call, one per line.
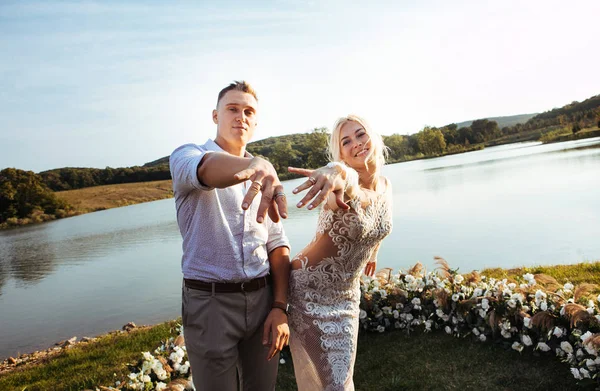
point(276, 332)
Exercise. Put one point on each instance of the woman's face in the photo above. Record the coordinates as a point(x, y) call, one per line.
point(355, 144)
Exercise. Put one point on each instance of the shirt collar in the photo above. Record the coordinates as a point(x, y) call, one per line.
point(211, 145)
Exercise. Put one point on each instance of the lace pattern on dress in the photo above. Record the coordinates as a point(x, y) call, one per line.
point(325, 293)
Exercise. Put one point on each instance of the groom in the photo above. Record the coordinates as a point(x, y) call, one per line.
point(235, 259)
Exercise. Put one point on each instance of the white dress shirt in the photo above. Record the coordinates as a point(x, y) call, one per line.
point(221, 241)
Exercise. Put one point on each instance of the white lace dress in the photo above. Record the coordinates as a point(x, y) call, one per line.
point(324, 292)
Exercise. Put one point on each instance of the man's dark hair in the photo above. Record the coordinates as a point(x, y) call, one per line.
point(237, 86)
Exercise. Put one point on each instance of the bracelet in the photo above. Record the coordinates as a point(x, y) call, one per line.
point(351, 174)
point(281, 305)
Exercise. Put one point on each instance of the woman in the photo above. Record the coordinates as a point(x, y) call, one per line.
point(324, 294)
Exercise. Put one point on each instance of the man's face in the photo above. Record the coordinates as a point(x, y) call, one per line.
point(235, 117)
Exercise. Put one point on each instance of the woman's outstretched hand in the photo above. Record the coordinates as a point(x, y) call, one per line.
point(321, 183)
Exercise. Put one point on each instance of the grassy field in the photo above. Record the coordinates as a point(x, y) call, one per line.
point(91, 199)
point(388, 361)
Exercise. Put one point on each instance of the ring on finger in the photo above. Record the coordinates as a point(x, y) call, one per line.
point(279, 194)
point(312, 180)
point(257, 184)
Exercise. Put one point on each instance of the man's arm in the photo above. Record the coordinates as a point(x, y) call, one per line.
point(276, 323)
point(221, 170)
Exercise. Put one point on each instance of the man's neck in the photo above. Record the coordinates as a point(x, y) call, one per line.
point(231, 149)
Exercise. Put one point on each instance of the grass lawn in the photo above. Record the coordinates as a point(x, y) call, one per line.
point(388, 361)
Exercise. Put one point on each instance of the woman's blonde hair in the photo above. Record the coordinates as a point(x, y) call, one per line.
point(379, 151)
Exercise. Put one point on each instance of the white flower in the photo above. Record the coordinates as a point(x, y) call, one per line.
point(598, 299)
point(448, 330)
point(505, 334)
point(523, 286)
point(476, 331)
point(455, 297)
point(584, 372)
point(186, 367)
point(566, 347)
point(399, 306)
point(396, 314)
point(576, 374)
point(387, 310)
point(428, 324)
point(439, 313)
point(383, 293)
point(557, 332)
point(543, 347)
point(416, 301)
point(511, 303)
point(477, 292)
point(482, 338)
point(591, 304)
point(146, 379)
point(160, 386)
point(147, 356)
point(512, 286)
point(380, 328)
point(162, 375)
point(482, 313)
point(543, 305)
point(568, 286)
point(527, 322)
point(408, 278)
point(528, 277)
point(363, 314)
point(458, 279)
point(409, 317)
point(282, 361)
point(591, 364)
point(526, 340)
point(585, 336)
point(485, 304)
point(517, 346)
point(132, 376)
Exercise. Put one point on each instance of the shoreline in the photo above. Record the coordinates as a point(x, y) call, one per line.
point(42, 356)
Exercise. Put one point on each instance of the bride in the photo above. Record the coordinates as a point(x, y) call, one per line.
point(324, 291)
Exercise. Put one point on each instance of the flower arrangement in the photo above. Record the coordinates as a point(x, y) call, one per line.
point(534, 312)
point(165, 370)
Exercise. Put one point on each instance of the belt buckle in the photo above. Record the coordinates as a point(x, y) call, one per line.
point(242, 287)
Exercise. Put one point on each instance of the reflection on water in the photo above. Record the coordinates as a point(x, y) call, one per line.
point(506, 206)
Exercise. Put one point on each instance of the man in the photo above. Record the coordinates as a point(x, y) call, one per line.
point(235, 259)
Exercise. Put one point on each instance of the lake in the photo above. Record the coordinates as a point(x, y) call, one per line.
point(513, 205)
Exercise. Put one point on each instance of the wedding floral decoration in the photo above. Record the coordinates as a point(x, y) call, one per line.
point(166, 369)
point(534, 312)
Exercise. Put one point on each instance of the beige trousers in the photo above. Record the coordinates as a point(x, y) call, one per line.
point(223, 336)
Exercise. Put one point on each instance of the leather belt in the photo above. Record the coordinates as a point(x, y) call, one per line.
point(229, 287)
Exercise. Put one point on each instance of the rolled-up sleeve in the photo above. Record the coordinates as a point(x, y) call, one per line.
point(183, 164)
point(277, 237)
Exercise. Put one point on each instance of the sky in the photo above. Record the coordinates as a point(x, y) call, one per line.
point(122, 83)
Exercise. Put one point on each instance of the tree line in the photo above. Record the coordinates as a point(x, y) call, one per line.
point(25, 198)
point(309, 150)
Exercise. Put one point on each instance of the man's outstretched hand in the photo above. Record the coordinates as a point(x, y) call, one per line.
point(264, 178)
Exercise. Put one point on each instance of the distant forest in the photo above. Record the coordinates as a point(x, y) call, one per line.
point(309, 150)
